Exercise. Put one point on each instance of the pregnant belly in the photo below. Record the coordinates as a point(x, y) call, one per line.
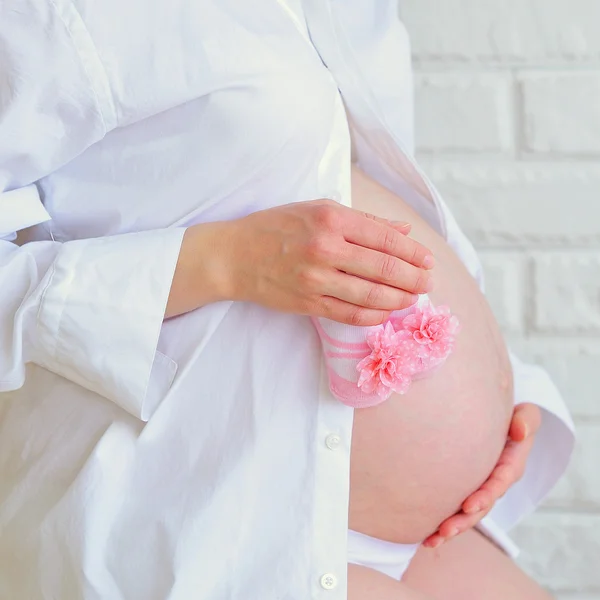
point(416, 457)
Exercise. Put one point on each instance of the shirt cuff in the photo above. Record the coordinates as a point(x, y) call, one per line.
point(101, 315)
point(551, 452)
point(20, 208)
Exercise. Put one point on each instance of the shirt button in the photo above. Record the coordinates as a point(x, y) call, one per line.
point(328, 581)
point(333, 441)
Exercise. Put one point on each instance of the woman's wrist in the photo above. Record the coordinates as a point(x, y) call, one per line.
point(203, 273)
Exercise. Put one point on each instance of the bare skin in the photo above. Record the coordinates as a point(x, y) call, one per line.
point(470, 567)
point(367, 584)
point(466, 568)
point(417, 457)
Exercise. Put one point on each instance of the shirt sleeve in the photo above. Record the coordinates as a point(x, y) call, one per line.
point(88, 310)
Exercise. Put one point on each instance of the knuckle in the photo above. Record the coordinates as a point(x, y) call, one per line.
point(486, 493)
point(492, 486)
point(488, 498)
point(389, 240)
point(421, 282)
point(319, 248)
point(406, 300)
point(309, 279)
point(374, 296)
point(357, 317)
point(372, 217)
point(506, 477)
point(328, 202)
point(414, 254)
point(388, 269)
point(307, 306)
point(327, 216)
point(483, 496)
point(324, 307)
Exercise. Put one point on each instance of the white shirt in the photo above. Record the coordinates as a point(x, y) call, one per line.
point(202, 457)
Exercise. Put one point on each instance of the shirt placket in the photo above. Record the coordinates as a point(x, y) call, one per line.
point(333, 48)
point(333, 435)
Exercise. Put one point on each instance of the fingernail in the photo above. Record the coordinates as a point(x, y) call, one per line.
point(401, 224)
point(454, 531)
point(474, 509)
point(525, 432)
point(430, 285)
point(429, 262)
point(437, 544)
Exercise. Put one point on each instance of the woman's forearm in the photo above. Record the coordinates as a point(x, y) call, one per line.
point(201, 274)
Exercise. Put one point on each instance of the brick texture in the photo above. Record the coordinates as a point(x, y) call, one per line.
point(505, 274)
point(562, 551)
point(511, 32)
point(517, 203)
point(457, 102)
point(567, 293)
point(559, 114)
point(574, 364)
point(508, 127)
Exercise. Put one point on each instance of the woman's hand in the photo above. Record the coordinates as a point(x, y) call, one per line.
point(526, 421)
point(322, 259)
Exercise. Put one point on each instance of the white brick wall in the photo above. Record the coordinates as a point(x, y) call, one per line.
point(508, 125)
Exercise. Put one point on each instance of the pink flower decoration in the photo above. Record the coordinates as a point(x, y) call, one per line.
point(405, 347)
point(387, 368)
point(434, 329)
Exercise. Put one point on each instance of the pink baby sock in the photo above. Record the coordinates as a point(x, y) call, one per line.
point(366, 365)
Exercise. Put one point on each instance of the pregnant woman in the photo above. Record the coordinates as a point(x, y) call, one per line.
point(187, 201)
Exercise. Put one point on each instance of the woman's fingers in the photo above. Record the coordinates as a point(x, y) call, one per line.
point(351, 314)
point(502, 477)
point(384, 269)
point(298, 258)
point(403, 227)
point(379, 251)
point(364, 230)
point(434, 541)
point(527, 419)
point(480, 500)
point(367, 293)
point(371, 248)
point(455, 525)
